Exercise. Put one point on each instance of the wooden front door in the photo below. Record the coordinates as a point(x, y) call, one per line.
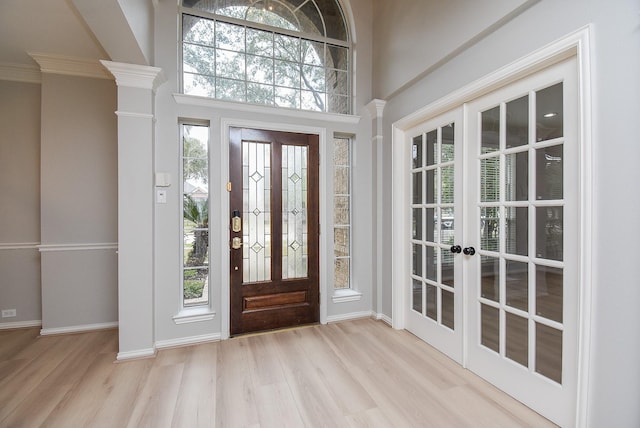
point(274, 227)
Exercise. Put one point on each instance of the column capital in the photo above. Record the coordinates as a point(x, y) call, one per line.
point(376, 107)
point(134, 75)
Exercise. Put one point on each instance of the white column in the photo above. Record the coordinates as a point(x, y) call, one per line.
point(136, 100)
point(376, 109)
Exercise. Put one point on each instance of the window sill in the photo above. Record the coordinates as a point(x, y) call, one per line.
point(347, 295)
point(194, 315)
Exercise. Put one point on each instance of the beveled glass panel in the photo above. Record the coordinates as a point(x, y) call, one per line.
point(447, 180)
point(517, 230)
point(417, 187)
point(416, 296)
point(294, 212)
point(432, 232)
point(490, 327)
point(416, 222)
point(549, 352)
point(432, 142)
point(259, 42)
point(431, 186)
point(447, 226)
point(549, 233)
point(549, 292)
point(337, 84)
point(416, 260)
point(490, 134)
point(432, 302)
point(549, 166)
point(448, 309)
point(490, 179)
point(549, 113)
point(431, 256)
point(341, 180)
point(341, 273)
point(517, 339)
point(256, 230)
point(341, 149)
point(447, 268)
point(518, 122)
point(286, 47)
point(490, 278)
point(230, 36)
point(490, 228)
point(341, 236)
point(416, 152)
point(341, 210)
point(517, 284)
point(516, 176)
point(447, 148)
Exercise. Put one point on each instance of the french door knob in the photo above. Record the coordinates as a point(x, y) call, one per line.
point(456, 249)
point(469, 251)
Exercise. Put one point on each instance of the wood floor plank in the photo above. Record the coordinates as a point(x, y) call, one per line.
point(351, 374)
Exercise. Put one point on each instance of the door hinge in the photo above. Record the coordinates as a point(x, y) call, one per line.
point(228, 186)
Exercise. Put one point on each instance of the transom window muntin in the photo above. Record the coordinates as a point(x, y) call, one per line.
point(233, 59)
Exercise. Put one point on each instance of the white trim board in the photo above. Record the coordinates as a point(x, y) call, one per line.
point(349, 316)
point(188, 341)
point(576, 44)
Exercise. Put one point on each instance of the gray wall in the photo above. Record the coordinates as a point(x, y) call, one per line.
point(615, 349)
point(78, 201)
point(20, 200)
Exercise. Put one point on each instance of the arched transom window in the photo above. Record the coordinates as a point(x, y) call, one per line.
point(284, 53)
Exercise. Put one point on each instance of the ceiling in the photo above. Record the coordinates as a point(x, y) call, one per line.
point(75, 30)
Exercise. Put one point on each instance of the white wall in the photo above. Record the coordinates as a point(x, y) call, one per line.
point(614, 385)
point(20, 200)
point(168, 216)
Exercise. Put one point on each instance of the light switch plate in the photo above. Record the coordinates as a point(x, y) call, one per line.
point(161, 196)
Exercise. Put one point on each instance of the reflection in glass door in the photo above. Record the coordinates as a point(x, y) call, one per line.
point(435, 298)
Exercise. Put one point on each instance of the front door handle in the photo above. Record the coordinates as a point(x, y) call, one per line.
point(469, 251)
point(236, 243)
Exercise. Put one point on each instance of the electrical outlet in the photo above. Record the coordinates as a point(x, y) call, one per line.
point(7, 313)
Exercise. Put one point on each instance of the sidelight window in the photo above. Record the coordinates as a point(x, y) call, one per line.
point(342, 212)
point(195, 214)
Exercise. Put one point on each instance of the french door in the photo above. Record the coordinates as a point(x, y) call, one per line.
point(513, 291)
point(274, 226)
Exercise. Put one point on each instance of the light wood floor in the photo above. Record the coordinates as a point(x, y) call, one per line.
point(352, 374)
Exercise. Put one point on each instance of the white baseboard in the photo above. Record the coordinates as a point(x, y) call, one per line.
point(137, 354)
point(384, 318)
point(20, 324)
point(78, 328)
point(186, 341)
point(350, 316)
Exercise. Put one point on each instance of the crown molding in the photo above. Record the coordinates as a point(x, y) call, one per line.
point(134, 75)
point(69, 66)
point(20, 73)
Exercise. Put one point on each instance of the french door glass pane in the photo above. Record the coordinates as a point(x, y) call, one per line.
point(490, 137)
point(490, 278)
point(517, 230)
point(518, 122)
point(490, 327)
point(549, 231)
point(516, 177)
point(549, 292)
point(549, 352)
point(294, 212)
point(417, 296)
point(517, 339)
point(549, 117)
point(490, 179)
point(549, 164)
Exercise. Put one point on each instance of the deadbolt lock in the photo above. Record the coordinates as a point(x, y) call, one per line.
point(236, 221)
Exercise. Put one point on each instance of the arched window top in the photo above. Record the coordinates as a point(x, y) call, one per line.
point(323, 18)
